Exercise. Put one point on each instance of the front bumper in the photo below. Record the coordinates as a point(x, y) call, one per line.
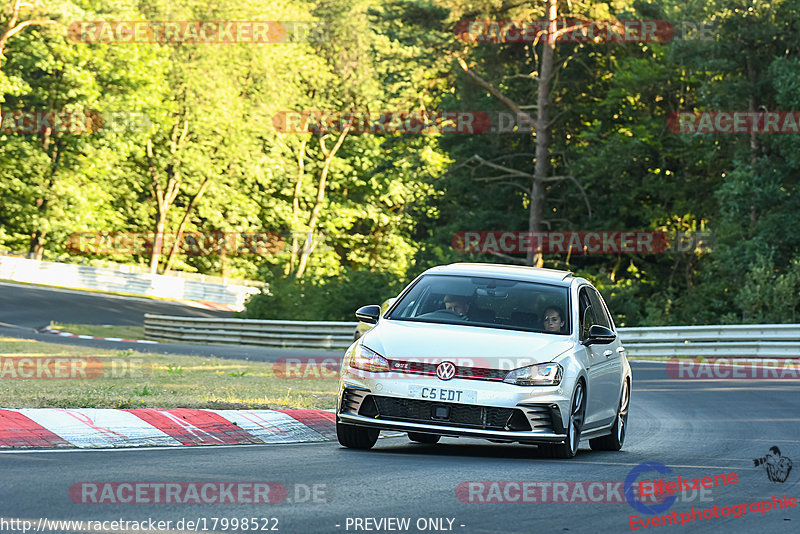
point(500, 411)
point(406, 426)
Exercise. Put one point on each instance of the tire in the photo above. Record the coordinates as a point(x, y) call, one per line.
point(356, 437)
point(424, 438)
point(614, 441)
point(569, 448)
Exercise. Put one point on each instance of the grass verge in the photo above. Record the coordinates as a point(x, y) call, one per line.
point(99, 330)
point(129, 379)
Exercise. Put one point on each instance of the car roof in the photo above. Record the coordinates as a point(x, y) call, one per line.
point(512, 272)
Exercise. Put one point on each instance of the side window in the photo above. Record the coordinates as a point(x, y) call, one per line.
point(599, 310)
point(586, 314)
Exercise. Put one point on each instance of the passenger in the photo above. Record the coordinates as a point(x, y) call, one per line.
point(553, 319)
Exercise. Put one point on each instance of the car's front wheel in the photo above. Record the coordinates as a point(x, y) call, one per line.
point(356, 437)
point(569, 448)
point(614, 441)
point(423, 438)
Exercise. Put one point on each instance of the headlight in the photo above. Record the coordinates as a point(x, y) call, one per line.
point(368, 360)
point(543, 374)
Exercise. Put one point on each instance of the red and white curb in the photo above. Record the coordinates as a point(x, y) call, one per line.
point(139, 427)
point(206, 305)
point(48, 330)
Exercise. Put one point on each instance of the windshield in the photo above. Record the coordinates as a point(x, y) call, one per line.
point(488, 302)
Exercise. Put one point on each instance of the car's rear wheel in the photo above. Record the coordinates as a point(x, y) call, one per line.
point(356, 437)
point(569, 448)
point(423, 438)
point(614, 441)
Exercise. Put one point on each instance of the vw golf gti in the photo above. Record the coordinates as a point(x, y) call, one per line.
point(500, 352)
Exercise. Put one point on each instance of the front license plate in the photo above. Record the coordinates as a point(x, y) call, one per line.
point(443, 394)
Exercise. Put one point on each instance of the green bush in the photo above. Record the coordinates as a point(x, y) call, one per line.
point(331, 299)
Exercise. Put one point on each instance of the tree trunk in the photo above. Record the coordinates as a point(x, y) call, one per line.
point(752, 107)
point(310, 242)
point(298, 189)
point(224, 263)
point(158, 240)
point(542, 131)
point(182, 226)
point(164, 197)
point(36, 246)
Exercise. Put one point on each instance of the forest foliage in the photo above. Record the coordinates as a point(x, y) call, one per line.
point(184, 137)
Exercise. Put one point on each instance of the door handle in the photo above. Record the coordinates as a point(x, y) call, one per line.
point(620, 349)
point(607, 354)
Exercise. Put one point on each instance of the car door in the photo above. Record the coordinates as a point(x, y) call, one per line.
point(603, 369)
point(611, 354)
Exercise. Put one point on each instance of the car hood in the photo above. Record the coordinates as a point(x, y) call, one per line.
point(492, 348)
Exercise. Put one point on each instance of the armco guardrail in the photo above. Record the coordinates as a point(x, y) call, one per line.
point(136, 283)
point(742, 341)
point(305, 334)
point(760, 341)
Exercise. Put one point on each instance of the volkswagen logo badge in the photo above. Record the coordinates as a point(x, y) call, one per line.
point(446, 370)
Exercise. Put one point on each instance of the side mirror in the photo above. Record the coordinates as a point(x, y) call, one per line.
point(600, 335)
point(369, 314)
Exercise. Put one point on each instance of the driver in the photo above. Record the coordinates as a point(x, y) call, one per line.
point(458, 304)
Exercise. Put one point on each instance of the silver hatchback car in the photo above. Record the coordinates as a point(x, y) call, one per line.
point(500, 352)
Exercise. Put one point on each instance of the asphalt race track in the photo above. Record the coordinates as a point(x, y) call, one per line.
point(34, 306)
point(696, 428)
point(24, 308)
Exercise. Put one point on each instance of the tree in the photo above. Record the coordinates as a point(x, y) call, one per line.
point(212, 141)
point(380, 56)
point(59, 175)
point(544, 76)
point(12, 26)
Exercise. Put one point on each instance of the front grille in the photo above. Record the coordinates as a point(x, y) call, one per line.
point(462, 371)
point(463, 415)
